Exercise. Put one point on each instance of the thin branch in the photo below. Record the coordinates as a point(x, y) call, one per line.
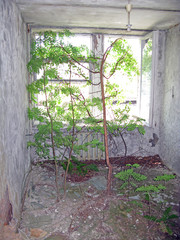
point(73, 133)
point(69, 55)
point(52, 140)
point(109, 49)
point(125, 145)
point(26, 185)
point(84, 103)
point(118, 62)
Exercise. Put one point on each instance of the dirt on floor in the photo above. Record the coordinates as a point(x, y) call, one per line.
point(88, 213)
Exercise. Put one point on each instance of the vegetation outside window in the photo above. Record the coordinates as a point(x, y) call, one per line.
point(129, 85)
point(145, 86)
point(63, 69)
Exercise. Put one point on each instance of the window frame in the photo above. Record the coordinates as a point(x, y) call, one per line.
point(143, 40)
point(34, 75)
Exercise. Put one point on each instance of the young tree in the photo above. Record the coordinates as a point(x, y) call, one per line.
point(64, 110)
point(123, 60)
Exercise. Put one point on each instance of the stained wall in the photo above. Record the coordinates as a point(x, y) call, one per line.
point(14, 159)
point(170, 111)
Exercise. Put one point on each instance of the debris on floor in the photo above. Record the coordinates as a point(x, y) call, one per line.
point(89, 213)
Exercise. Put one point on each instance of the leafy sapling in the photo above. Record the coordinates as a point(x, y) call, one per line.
point(129, 176)
point(148, 191)
point(165, 220)
point(165, 178)
point(78, 167)
point(64, 110)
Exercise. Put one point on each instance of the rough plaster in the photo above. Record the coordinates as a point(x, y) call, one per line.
point(13, 102)
point(101, 16)
point(170, 113)
point(137, 144)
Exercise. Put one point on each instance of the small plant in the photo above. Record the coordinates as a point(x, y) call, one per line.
point(165, 178)
point(153, 212)
point(164, 221)
point(129, 176)
point(75, 166)
point(149, 190)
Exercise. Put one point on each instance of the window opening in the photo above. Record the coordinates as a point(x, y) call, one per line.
point(128, 85)
point(63, 73)
point(145, 85)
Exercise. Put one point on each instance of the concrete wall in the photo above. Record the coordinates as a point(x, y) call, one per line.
point(13, 108)
point(170, 113)
point(157, 82)
point(137, 144)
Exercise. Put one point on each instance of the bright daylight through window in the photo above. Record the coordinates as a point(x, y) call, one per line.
point(145, 83)
point(135, 89)
point(129, 86)
point(64, 75)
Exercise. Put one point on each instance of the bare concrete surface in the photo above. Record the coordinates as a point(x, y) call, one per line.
point(88, 213)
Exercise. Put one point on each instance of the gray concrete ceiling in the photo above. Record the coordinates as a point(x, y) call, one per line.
point(106, 16)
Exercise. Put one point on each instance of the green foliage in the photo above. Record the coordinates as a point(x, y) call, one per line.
point(151, 188)
point(147, 57)
point(165, 177)
point(78, 167)
point(165, 219)
point(128, 176)
point(123, 122)
point(122, 57)
point(162, 217)
point(63, 111)
point(63, 104)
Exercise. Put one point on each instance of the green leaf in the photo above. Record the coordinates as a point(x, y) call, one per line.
point(152, 218)
point(165, 177)
point(124, 185)
point(30, 144)
point(169, 230)
point(141, 129)
point(150, 188)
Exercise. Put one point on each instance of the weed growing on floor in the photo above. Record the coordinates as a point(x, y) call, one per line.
point(78, 167)
point(158, 213)
point(130, 177)
point(165, 220)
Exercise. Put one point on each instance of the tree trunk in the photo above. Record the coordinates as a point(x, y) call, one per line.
point(109, 178)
